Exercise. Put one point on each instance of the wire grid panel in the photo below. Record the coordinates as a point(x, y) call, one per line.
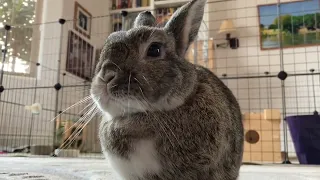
point(54, 77)
point(255, 70)
point(19, 127)
point(250, 72)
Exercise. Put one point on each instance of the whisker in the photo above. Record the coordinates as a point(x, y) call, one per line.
point(145, 79)
point(75, 134)
point(171, 130)
point(78, 133)
point(72, 140)
point(163, 129)
point(147, 82)
point(83, 118)
point(141, 104)
point(144, 97)
point(90, 104)
point(87, 98)
point(137, 81)
point(165, 124)
point(116, 65)
point(168, 127)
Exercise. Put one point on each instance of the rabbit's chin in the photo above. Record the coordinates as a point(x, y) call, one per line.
point(121, 107)
point(115, 107)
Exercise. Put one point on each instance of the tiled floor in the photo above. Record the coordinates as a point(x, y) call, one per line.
point(15, 168)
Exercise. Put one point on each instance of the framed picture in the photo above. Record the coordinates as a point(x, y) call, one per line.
point(82, 20)
point(79, 57)
point(299, 22)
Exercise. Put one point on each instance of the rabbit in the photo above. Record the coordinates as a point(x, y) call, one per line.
point(165, 118)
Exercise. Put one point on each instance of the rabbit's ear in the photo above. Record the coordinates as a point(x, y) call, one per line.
point(144, 18)
point(184, 24)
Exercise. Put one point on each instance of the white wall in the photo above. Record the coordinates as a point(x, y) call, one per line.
point(248, 60)
point(15, 119)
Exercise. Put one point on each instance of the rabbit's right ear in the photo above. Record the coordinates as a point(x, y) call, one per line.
point(184, 24)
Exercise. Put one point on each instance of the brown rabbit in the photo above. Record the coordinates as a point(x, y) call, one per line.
point(165, 118)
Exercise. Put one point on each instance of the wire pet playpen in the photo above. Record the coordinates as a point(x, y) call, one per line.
point(45, 107)
point(30, 101)
point(44, 78)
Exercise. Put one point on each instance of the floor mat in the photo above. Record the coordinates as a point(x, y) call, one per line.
point(19, 168)
point(54, 169)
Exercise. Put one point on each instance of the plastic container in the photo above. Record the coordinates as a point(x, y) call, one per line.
point(305, 133)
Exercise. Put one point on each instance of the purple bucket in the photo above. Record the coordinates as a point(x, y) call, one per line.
point(305, 133)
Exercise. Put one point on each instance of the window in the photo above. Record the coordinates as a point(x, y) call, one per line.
point(21, 14)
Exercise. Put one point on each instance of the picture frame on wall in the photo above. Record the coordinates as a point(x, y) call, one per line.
point(79, 57)
point(82, 20)
point(299, 25)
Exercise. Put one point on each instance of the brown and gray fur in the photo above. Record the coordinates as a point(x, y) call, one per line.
point(192, 119)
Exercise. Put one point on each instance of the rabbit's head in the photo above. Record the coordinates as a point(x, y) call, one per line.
point(144, 69)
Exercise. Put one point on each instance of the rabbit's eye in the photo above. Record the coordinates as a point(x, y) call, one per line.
point(154, 50)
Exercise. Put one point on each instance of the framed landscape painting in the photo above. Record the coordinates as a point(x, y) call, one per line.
point(299, 24)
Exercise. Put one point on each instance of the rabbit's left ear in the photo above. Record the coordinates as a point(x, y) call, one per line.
point(144, 18)
point(184, 24)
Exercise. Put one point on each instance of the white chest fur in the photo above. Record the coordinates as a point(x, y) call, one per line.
point(142, 160)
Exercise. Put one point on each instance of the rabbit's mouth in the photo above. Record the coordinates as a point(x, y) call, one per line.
point(124, 91)
point(119, 106)
point(118, 99)
point(121, 99)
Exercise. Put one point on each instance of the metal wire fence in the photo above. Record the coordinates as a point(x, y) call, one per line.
point(271, 79)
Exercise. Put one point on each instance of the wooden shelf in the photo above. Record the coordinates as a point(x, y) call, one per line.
point(169, 3)
point(162, 10)
point(118, 11)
